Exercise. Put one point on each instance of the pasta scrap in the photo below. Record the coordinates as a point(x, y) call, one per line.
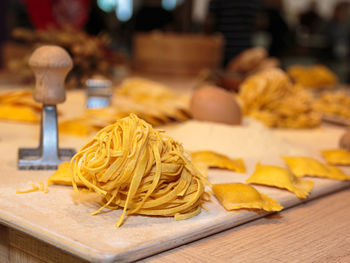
point(33, 189)
point(213, 159)
point(279, 177)
point(19, 106)
point(19, 113)
point(237, 195)
point(139, 169)
point(63, 176)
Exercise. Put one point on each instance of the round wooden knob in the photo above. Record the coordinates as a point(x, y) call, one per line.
point(51, 65)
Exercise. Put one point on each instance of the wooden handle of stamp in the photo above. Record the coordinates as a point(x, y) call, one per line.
point(51, 65)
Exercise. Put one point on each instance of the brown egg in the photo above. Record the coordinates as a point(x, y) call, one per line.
point(344, 141)
point(211, 103)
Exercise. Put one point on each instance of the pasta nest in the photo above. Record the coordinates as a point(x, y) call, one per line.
point(272, 98)
point(140, 169)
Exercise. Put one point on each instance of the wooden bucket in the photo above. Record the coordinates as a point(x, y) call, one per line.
point(176, 54)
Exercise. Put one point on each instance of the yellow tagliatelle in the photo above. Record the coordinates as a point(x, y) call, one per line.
point(33, 189)
point(337, 156)
point(145, 172)
point(272, 98)
point(307, 166)
point(279, 177)
point(213, 159)
point(238, 195)
point(334, 104)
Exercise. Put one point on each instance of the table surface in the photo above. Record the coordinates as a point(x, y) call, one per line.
point(316, 231)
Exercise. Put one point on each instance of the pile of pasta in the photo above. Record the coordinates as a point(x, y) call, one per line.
point(141, 170)
point(271, 97)
point(334, 104)
point(154, 102)
point(19, 106)
point(315, 77)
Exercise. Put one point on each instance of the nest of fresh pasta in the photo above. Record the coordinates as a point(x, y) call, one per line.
point(140, 169)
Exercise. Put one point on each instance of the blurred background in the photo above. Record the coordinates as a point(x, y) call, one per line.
point(115, 37)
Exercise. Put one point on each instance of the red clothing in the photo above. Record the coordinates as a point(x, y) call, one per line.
point(58, 13)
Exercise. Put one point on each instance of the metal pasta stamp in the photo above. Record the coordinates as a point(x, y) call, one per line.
point(51, 65)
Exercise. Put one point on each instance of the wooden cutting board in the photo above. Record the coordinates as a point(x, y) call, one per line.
point(63, 219)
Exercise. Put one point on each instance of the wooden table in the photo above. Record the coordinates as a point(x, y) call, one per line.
point(317, 231)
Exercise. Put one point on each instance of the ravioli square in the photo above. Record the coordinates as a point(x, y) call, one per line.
point(307, 166)
point(335, 173)
point(237, 196)
point(303, 166)
point(337, 156)
point(279, 177)
point(217, 160)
